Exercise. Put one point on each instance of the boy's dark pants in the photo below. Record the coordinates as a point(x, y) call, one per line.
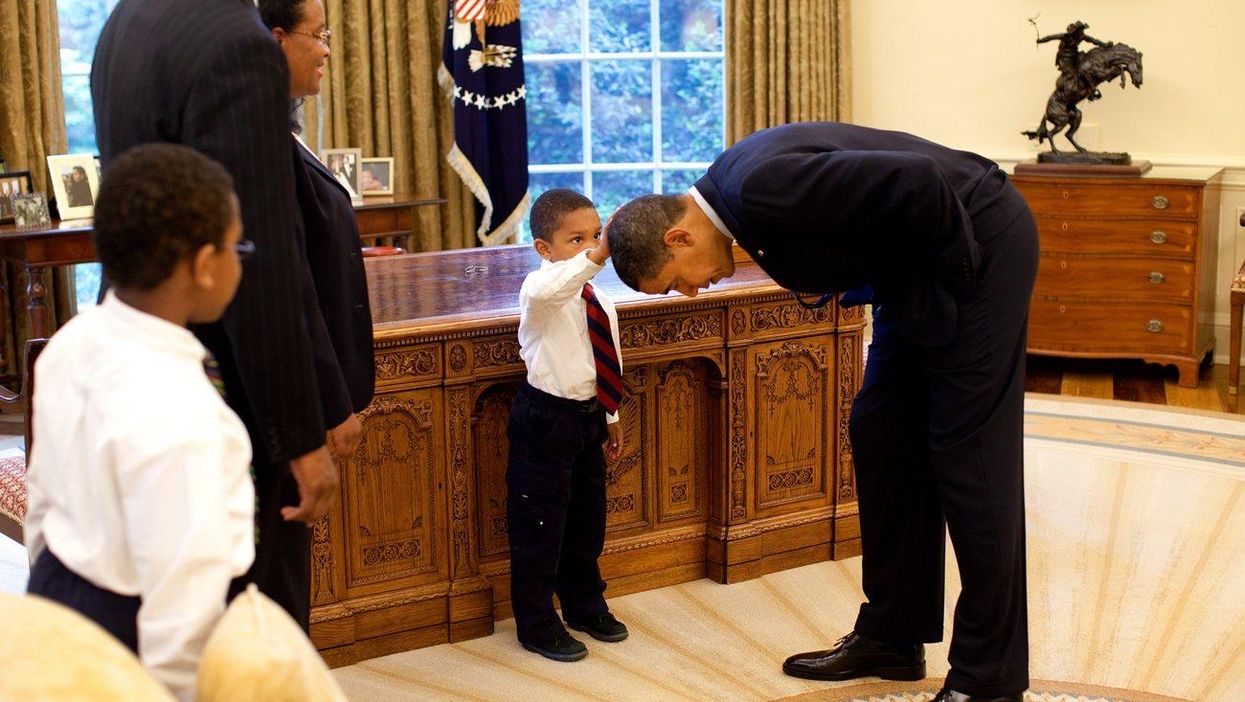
point(555, 511)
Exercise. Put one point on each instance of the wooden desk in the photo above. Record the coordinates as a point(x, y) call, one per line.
point(736, 459)
point(66, 243)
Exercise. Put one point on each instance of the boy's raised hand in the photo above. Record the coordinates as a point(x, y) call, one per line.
point(600, 253)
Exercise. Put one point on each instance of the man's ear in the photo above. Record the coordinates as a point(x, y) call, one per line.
point(542, 247)
point(677, 238)
point(201, 269)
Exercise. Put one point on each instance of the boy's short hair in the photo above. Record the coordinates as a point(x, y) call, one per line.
point(157, 205)
point(551, 207)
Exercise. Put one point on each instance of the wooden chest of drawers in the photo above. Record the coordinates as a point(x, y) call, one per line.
point(1127, 266)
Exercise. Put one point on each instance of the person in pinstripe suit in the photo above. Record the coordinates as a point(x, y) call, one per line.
point(207, 74)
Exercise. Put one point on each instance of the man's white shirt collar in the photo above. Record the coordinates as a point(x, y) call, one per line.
point(713, 216)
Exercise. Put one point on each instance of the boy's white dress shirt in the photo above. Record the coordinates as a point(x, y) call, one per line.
point(139, 477)
point(553, 329)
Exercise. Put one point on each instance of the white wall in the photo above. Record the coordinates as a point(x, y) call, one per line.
point(968, 74)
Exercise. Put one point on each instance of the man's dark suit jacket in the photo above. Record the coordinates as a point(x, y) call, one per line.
point(345, 367)
point(824, 207)
point(207, 74)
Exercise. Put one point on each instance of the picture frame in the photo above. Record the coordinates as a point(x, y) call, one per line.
point(30, 210)
point(376, 176)
point(344, 165)
point(75, 184)
point(14, 183)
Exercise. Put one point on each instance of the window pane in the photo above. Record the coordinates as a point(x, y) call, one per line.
point(691, 109)
point(622, 112)
point(86, 284)
point(619, 25)
point(677, 182)
point(691, 25)
point(538, 183)
point(79, 119)
point(550, 27)
point(555, 132)
point(611, 189)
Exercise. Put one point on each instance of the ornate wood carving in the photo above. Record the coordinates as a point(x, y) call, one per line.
point(495, 352)
point(321, 563)
point(789, 315)
point(627, 479)
point(458, 358)
point(461, 559)
point(492, 451)
point(637, 334)
point(738, 435)
point(790, 418)
point(849, 351)
point(390, 492)
point(681, 462)
point(408, 364)
point(739, 322)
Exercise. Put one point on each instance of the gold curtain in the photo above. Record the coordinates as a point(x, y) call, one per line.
point(380, 94)
point(786, 61)
point(32, 126)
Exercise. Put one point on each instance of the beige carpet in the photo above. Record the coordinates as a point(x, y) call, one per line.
point(1136, 522)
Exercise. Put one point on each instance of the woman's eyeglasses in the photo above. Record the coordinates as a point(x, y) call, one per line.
point(322, 36)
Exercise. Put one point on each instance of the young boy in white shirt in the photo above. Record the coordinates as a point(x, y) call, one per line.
point(563, 424)
point(141, 503)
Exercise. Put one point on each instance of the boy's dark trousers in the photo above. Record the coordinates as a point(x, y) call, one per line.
point(555, 511)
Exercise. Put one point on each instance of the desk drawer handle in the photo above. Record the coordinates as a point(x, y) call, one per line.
point(1158, 237)
point(1159, 202)
point(1156, 277)
point(1155, 326)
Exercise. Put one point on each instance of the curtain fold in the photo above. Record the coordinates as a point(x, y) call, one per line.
point(32, 126)
point(380, 94)
point(786, 61)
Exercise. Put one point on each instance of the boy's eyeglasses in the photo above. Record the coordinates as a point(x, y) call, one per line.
point(322, 36)
point(245, 248)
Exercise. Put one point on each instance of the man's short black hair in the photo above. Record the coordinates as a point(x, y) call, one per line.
point(636, 235)
point(158, 204)
point(551, 207)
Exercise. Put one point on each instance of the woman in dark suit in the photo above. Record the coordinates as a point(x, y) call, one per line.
point(345, 367)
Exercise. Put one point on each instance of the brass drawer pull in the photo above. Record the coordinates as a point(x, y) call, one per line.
point(1159, 202)
point(1155, 326)
point(1158, 237)
point(1156, 277)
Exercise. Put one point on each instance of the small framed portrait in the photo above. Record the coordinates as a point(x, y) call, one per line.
point(344, 165)
point(376, 176)
point(75, 182)
point(15, 183)
point(30, 210)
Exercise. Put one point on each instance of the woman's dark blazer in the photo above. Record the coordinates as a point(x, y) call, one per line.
point(345, 368)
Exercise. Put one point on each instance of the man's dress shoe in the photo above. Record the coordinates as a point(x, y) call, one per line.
point(946, 695)
point(854, 656)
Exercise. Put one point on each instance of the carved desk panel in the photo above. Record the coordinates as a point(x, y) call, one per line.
point(736, 460)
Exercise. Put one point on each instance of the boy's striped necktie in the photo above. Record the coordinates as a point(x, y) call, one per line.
point(609, 372)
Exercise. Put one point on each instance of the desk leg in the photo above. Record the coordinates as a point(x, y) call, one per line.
point(4, 319)
point(36, 305)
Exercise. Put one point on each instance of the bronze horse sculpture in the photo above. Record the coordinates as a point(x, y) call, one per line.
point(1098, 65)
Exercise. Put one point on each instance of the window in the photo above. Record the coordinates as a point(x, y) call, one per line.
point(80, 23)
point(625, 97)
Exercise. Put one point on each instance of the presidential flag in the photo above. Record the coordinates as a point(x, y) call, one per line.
point(482, 72)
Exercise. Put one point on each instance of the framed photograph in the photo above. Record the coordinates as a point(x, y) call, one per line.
point(75, 182)
point(15, 183)
point(344, 164)
point(30, 210)
point(376, 176)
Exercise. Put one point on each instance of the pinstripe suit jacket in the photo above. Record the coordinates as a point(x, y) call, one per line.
point(207, 74)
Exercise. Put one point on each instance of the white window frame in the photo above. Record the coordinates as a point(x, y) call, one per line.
point(587, 166)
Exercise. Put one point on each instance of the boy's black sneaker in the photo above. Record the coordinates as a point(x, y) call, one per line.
point(564, 648)
point(604, 628)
